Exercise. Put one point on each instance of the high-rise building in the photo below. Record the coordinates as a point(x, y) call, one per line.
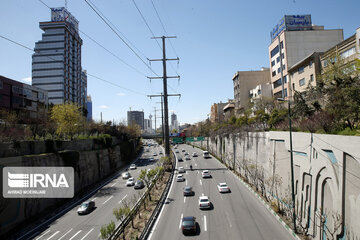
point(293, 39)
point(135, 117)
point(89, 108)
point(56, 63)
point(174, 124)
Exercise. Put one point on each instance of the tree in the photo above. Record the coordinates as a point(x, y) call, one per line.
point(277, 116)
point(68, 118)
point(107, 230)
point(340, 83)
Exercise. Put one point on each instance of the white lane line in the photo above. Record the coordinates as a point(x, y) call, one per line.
point(43, 234)
point(87, 234)
point(198, 171)
point(203, 194)
point(205, 228)
point(180, 221)
point(184, 199)
point(186, 182)
point(196, 164)
point(75, 234)
point(228, 218)
point(94, 199)
point(65, 234)
point(108, 199)
point(200, 182)
point(123, 199)
point(53, 235)
point(113, 184)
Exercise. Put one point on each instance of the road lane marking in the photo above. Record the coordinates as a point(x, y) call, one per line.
point(87, 234)
point(65, 234)
point(108, 199)
point(43, 234)
point(203, 194)
point(198, 171)
point(75, 234)
point(228, 218)
point(200, 182)
point(123, 199)
point(180, 221)
point(184, 199)
point(94, 199)
point(113, 184)
point(186, 182)
point(205, 228)
point(195, 164)
point(53, 235)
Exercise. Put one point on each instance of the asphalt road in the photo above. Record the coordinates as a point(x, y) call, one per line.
point(236, 215)
point(74, 226)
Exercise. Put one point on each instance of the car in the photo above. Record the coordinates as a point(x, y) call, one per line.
point(160, 153)
point(180, 159)
point(188, 191)
point(206, 154)
point(126, 175)
point(130, 182)
point(194, 154)
point(223, 188)
point(186, 153)
point(205, 174)
point(175, 147)
point(177, 151)
point(180, 178)
point(132, 167)
point(187, 157)
point(183, 150)
point(181, 170)
point(139, 184)
point(154, 154)
point(204, 202)
point(188, 225)
point(147, 150)
point(86, 207)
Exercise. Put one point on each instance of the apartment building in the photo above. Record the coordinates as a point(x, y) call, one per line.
point(293, 39)
point(217, 112)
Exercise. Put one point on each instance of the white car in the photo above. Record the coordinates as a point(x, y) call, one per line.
point(187, 157)
point(160, 153)
point(180, 178)
point(223, 188)
point(132, 167)
point(186, 153)
point(204, 202)
point(183, 150)
point(181, 170)
point(130, 182)
point(205, 174)
point(154, 154)
point(126, 175)
point(177, 151)
point(194, 154)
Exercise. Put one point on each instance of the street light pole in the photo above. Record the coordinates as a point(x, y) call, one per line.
point(291, 167)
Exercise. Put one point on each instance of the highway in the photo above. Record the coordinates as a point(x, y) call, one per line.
point(73, 226)
point(236, 215)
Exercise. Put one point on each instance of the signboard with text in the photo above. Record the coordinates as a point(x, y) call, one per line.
point(62, 15)
point(291, 23)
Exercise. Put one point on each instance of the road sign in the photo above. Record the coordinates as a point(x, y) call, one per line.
point(189, 139)
point(177, 140)
point(199, 139)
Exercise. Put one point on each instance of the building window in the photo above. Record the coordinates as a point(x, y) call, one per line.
point(281, 45)
point(277, 83)
point(274, 51)
point(311, 77)
point(300, 70)
point(273, 73)
point(279, 70)
point(302, 82)
point(278, 59)
point(310, 64)
point(284, 67)
point(273, 63)
point(348, 52)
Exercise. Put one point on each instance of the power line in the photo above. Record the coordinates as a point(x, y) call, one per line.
point(123, 35)
point(137, 55)
point(100, 45)
point(23, 46)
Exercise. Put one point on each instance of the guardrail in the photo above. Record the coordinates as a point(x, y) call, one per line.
point(150, 223)
point(120, 229)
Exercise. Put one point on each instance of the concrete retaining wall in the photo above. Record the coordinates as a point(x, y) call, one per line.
point(326, 171)
point(92, 163)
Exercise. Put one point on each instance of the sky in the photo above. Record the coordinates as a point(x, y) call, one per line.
point(215, 39)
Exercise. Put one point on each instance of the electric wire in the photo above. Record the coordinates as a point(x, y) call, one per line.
point(137, 55)
point(114, 84)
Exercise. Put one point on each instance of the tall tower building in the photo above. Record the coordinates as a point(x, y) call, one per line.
point(56, 63)
point(135, 117)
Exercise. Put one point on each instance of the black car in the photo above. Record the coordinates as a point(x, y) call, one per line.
point(180, 159)
point(188, 225)
point(188, 191)
point(139, 184)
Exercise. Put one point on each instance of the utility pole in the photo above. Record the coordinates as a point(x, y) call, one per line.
point(162, 118)
point(165, 77)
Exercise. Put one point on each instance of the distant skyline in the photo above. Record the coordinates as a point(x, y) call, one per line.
point(214, 40)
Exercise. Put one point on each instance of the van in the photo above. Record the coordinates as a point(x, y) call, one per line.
point(206, 154)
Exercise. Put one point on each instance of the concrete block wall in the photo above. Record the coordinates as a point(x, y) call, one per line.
point(326, 172)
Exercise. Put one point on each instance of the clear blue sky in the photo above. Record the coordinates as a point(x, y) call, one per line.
point(215, 39)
